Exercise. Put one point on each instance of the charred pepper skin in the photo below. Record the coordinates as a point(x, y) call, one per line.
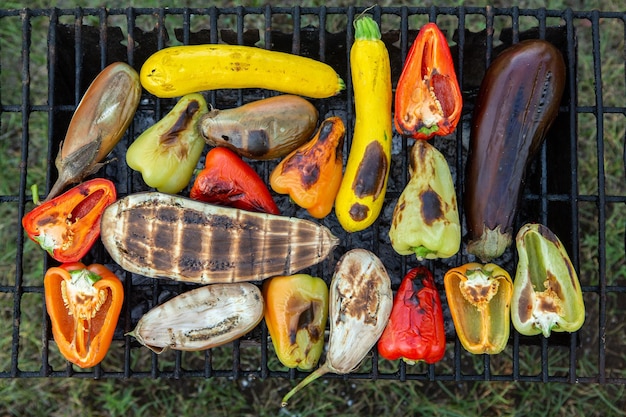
point(296, 312)
point(167, 153)
point(415, 331)
point(425, 220)
point(312, 174)
point(547, 296)
point(428, 99)
point(227, 180)
point(517, 103)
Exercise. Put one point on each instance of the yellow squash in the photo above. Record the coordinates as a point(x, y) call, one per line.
point(180, 70)
point(362, 192)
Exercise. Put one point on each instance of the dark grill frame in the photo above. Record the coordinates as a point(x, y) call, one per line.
point(540, 195)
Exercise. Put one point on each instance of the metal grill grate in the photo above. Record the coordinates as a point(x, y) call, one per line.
point(82, 41)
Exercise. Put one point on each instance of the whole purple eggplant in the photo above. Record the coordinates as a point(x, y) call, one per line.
point(517, 103)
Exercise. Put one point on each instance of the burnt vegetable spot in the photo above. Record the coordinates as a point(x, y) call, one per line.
point(358, 212)
point(258, 142)
point(218, 329)
point(371, 172)
point(85, 206)
point(431, 206)
point(171, 137)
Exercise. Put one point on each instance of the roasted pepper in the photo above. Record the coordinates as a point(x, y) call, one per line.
point(311, 174)
point(425, 220)
point(479, 297)
point(229, 181)
point(296, 311)
point(428, 96)
point(364, 185)
point(546, 292)
point(68, 225)
point(415, 331)
point(168, 151)
point(84, 303)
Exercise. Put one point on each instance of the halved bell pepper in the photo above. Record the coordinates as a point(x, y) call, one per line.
point(229, 181)
point(312, 174)
point(167, 153)
point(428, 96)
point(546, 292)
point(84, 304)
point(479, 297)
point(415, 331)
point(68, 225)
point(425, 220)
point(296, 311)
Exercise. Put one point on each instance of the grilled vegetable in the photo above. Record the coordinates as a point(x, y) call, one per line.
point(428, 96)
point(296, 311)
point(311, 174)
point(364, 185)
point(68, 225)
point(426, 218)
point(206, 317)
point(415, 331)
point(360, 304)
point(180, 70)
point(99, 122)
point(84, 304)
point(166, 236)
point(263, 129)
point(517, 102)
point(479, 297)
point(167, 152)
point(546, 292)
point(229, 181)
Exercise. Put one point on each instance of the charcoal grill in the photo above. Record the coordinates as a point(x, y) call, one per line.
point(80, 42)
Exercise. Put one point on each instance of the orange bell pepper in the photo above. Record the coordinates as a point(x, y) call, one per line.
point(84, 303)
point(428, 96)
point(68, 225)
point(479, 297)
point(312, 174)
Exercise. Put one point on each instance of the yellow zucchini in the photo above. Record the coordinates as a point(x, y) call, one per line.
point(180, 70)
point(362, 192)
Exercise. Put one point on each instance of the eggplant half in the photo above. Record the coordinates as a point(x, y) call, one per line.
point(517, 102)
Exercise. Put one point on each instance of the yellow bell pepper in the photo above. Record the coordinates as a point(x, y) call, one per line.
point(479, 297)
point(296, 311)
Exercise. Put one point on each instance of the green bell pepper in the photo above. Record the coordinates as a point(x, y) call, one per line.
point(167, 153)
point(546, 291)
point(426, 218)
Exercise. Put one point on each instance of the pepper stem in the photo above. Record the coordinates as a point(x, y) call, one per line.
point(322, 370)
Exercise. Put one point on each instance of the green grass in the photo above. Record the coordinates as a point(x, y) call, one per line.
point(332, 396)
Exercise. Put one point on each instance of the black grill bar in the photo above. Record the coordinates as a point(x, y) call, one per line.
point(73, 60)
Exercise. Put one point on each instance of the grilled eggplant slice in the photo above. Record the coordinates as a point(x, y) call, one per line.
point(164, 236)
point(517, 102)
point(203, 318)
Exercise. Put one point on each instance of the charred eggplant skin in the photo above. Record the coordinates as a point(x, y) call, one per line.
point(517, 103)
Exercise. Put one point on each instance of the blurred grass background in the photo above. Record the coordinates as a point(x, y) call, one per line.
point(250, 397)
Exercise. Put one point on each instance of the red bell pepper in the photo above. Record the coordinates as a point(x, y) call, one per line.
point(229, 181)
point(84, 304)
point(415, 331)
point(428, 96)
point(68, 225)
